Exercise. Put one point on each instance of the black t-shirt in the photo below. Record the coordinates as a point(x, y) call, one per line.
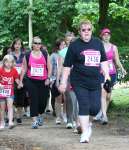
point(84, 58)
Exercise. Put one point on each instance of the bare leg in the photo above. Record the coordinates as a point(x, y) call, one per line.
point(58, 102)
point(104, 103)
point(2, 114)
point(10, 111)
point(19, 112)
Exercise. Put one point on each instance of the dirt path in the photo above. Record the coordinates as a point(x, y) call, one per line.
point(114, 136)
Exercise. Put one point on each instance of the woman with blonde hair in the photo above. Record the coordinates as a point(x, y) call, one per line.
point(38, 68)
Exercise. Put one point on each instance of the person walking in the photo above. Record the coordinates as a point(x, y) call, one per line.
point(82, 63)
point(114, 63)
point(38, 68)
point(8, 75)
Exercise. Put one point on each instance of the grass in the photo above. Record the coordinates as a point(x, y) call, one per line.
point(120, 103)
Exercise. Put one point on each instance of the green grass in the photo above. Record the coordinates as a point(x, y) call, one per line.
point(120, 103)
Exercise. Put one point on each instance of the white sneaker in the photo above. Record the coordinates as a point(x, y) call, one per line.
point(58, 120)
point(75, 130)
point(104, 120)
point(85, 137)
point(98, 117)
point(69, 126)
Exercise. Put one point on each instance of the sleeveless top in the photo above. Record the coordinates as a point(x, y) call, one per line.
point(19, 61)
point(37, 68)
point(110, 58)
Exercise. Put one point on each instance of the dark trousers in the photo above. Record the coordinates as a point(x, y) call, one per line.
point(38, 93)
point(89, 101)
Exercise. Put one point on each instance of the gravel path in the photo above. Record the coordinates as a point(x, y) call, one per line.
point(113, 136)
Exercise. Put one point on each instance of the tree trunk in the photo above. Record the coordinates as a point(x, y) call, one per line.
point(30, 26)
point(103, 12)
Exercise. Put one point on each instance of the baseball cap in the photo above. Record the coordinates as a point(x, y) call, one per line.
point(105, 30)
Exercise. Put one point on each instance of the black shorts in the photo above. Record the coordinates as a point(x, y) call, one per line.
point(113, 79)
point(20, 96)
point(54, 90)
point(89, 101)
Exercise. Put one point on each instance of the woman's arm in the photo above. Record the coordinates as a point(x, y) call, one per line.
point(49, 66)
point(24, 69)
point(59, 69)
point(105, 70)
point(65, 75)
point(117, 60)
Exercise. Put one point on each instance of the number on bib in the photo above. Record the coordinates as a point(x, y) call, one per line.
point(37, 70)
point(5, 92)
point(92, 58)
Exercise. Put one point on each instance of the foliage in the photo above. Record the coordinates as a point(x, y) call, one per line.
point(86, 11)
point(117, 11)
point(51, 19)
point(118, 18)
point(14, 16)
point(124, 58)
point(54, 18)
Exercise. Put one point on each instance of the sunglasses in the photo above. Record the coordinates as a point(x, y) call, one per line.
point(37, 43)
point(88, 29)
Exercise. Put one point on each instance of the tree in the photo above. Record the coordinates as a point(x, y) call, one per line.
point(51, 19)
point(30, 23)
point(103, 12)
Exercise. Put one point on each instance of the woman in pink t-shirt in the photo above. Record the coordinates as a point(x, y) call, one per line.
point(38, 69)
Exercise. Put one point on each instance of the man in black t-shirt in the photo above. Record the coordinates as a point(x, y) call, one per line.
point(82, 62)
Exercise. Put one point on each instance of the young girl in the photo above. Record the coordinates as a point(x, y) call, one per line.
point(8, 75)
point(20, 100)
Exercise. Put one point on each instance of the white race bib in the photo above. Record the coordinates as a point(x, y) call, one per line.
point(92, 58)
point(110, 65)
point(6, 91)
point(37, 70)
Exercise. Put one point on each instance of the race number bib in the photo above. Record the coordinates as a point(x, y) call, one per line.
point(112, 69)
point(37, 70)
point(5, 91)
point(92, 58)
point(110, 65)
point(18, 67)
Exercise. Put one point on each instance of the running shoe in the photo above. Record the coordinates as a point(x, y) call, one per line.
point(104, 120)
point(85, 137)
point(98, 117)
point(19, 121)
point(11, 126)
point(40, 120)
point(58, 120)
point(34, 125)
point(69, 126)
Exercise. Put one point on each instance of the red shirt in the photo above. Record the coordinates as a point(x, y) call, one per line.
point(7, 79)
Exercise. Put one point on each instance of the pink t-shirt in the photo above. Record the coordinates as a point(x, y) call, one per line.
point(37, 68)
